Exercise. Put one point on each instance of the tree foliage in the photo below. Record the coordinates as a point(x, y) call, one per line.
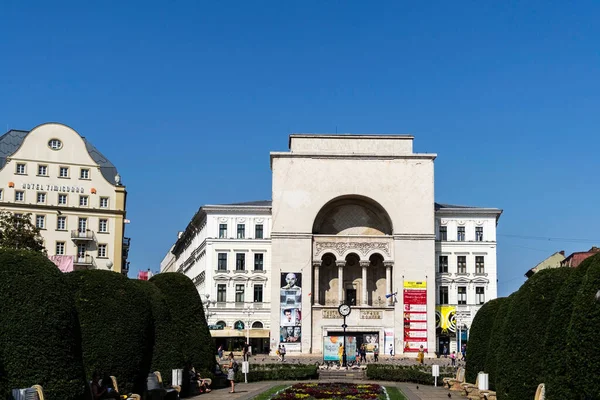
point(583, 345)
point(495, 351)
point(479, 338)
point(18, 232)
point(519, 368)
point(40, 340)
point(189, 328)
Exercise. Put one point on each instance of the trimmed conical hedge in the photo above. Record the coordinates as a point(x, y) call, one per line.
point(188, 323)
point(583, 341)
point(558, 386)
point(116, 326)
point(519, 368)
point(40, 341)
point(165, 348)
point(479, 338)
point(494, 349)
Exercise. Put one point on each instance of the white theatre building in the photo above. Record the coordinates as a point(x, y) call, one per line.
point(352, 220)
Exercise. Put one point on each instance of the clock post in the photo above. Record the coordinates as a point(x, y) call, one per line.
point(344, 310)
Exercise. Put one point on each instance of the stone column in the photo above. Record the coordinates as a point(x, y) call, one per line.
point(316, 265)
point(340, 264)
point(388, 280)
point(364, 264)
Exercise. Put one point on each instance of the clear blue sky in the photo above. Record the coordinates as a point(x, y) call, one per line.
point(188, 98)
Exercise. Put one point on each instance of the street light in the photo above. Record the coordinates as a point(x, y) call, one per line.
point(207, 305)
point(248, 311)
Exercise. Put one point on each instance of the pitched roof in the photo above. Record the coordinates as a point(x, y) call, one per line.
point(12, 140)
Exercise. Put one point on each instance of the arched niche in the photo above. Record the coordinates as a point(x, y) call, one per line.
point(352, 215)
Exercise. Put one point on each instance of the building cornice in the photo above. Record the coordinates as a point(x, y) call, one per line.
point(413, 236)
point(234, 208)
point(291, 235)
point(351, 156)
point(48, 207)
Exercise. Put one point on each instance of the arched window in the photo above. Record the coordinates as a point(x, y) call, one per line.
point(222, 324)
point(238, 325)
point(257, 325)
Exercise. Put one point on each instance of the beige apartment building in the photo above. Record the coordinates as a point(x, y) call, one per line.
point(73, 192)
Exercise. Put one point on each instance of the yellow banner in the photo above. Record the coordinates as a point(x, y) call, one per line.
point(415, 285)
point(446, 316)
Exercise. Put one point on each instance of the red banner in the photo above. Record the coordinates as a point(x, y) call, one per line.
point(415, 316)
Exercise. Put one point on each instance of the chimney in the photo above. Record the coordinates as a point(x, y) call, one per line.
point(594, 249)
point(179, 234)
point(562, 252)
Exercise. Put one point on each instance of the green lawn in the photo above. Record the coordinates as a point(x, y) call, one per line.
point(394, 393)
point(267, 395)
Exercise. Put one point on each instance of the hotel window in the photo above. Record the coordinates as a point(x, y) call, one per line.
point(84, 173)
point(443, 233)
point(62, 199)
point(480, 294)
point(40, 221)
point(19, 195)
point(103, 202)
point(479, 265)
point(103, 226)
point(460, 234)
point(240, 262)
point(42, 170)
point(241, 231)
point(222, 231)
point(102, 250)
point(55, 144)
point(239, 293)
point(443, 295)
point(63, 172)
point(83, 201)
point(258, 231)
point(221, 293)
point(462, 295)
point(258, 261)
point(479, 233)
point(21, 169)
point(258, 293)
point(41, 197)
point(60, 248)
point(461, 263)
point(61, 223)
point(222, 262)
point(443, 268)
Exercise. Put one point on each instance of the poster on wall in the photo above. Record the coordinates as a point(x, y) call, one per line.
point(388, 342)
point(290, 326)
point(371, 340)
point(415, 316)
point(331, 345)
point(445, 320)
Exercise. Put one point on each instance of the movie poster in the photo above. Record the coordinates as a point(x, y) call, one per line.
point(371, 340)
point(290, 327)
point(331, 346)
point(415, 316)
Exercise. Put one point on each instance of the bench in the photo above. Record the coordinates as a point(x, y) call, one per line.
point(33, 393)
point(157, 390)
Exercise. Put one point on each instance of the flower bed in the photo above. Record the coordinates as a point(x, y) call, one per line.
point(336, 391)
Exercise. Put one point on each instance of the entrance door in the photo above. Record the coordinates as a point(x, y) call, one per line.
point(443, 341)
point(351, 297)
point(81, 253)
point(82, 226)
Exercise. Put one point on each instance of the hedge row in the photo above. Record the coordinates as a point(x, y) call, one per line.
point(277, 372)
point(546, 332)
point(57, 329)
point(401, 373)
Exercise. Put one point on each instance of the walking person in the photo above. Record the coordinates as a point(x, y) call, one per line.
point(376, 353)
point(220, 352)
point(245, 352)
point(453, 358)
point(282, 352)
point(232, 369)
point(341, 354)
point(445, 351)
point(363, 353)
point(391, 350)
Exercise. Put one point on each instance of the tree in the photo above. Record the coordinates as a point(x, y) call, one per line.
point(479, 338)
point(18, 232)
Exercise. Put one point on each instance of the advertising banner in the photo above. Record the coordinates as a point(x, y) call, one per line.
point(331, 345)
point(415, 316)
point(290, 326)
point(370, 340)
point(445, 320)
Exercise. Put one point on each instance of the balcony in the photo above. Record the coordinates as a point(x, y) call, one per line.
point(83, 236)
point(84, 262)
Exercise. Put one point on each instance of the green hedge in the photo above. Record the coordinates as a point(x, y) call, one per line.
point(479, 338)
point(519, 368)
point(189, 326)
point(40, 342)
point(583, 342)
point(412, 373)
point(495, 351)
point(278, 372)
point(116, 326)
point(558, 386)
point(165, 348)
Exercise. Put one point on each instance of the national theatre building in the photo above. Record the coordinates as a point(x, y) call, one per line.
point(353, 221)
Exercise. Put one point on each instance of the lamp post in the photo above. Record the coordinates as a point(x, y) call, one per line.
point(344, 310)
point(207, 305)
point(248, 311)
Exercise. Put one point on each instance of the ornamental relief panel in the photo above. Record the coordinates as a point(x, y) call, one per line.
point(361, 247)
point(367, 314)
point(331, 314)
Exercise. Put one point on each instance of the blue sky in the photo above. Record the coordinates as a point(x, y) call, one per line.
point(188, 98)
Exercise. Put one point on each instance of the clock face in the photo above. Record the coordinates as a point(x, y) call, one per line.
point(344, 309)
